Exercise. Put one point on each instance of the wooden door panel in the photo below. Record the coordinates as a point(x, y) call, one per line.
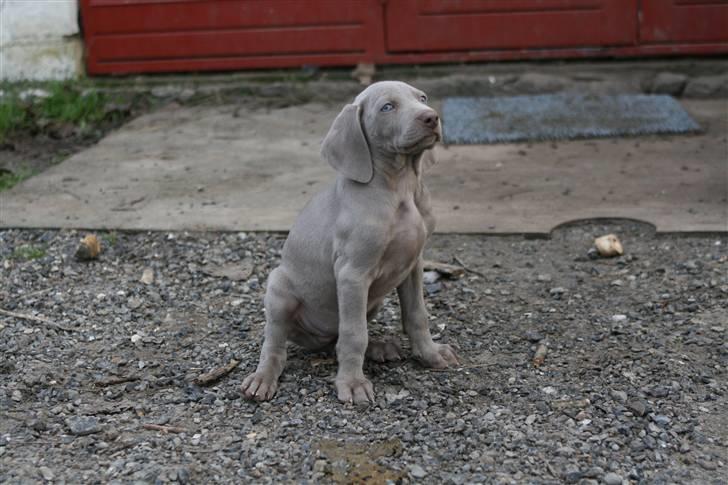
point(688, 21)
point(179, 16)
point(456, 25)
point(124, 36)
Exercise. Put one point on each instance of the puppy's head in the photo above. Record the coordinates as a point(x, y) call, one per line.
point(397, 119)
point(387, 119)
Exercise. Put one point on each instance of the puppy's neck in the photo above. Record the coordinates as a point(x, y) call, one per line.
point(394, 170)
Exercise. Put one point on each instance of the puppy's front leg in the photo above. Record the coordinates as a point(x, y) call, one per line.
point(352, 290)
point(415, 323)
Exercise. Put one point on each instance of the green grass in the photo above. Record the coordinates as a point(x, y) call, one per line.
point(110, 238)
point(10, 179)
point(65, 104)
point(28, 252)
point(12, 116)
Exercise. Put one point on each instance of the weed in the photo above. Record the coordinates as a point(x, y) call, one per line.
point(110, 238)
point(66, 104)
point(13, 115)
point(10, 179)
point(29, 252)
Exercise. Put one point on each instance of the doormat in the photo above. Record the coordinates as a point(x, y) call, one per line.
point(479, 120)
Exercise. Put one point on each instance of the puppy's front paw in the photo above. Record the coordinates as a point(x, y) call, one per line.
point(438, 356)
point(358, 390)
point(259, 386)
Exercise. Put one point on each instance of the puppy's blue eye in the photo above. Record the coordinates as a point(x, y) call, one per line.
point(423, 98)
point(387, 107)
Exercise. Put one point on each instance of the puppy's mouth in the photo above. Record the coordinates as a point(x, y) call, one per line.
point(425, 142)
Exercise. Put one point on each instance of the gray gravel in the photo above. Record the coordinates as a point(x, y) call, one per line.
point(632, 388)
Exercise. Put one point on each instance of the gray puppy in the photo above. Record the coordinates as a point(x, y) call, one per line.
point(354, 243)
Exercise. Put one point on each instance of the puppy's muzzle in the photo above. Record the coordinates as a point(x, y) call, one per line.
point(429, 119)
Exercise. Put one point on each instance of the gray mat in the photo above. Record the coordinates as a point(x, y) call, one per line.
point(561, 117)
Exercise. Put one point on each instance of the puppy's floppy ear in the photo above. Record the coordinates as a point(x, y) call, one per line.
point(345, 146)
point(428, 159)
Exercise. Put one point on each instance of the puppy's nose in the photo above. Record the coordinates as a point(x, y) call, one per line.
point(429, 119)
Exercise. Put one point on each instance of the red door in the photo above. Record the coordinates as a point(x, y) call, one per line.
point(463, 25)
point(123, 36)
point(186, 35)
point(685, 21)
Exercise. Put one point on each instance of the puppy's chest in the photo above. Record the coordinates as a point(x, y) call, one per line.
point(407, 239)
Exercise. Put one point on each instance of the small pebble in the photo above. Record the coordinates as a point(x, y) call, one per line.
point(46, 473)
point(83, 425)
point(637, 407)
point(612, 478)
point(661, 420)
point(417, 471)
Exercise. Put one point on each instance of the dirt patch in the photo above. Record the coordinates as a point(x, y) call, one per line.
point(356, 462)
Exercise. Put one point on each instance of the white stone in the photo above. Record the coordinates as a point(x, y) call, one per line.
point(612, 478)
point(46, 473)
point(417, 471)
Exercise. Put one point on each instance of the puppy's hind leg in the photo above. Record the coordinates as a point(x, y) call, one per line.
point(280, 307)
point(382, 350)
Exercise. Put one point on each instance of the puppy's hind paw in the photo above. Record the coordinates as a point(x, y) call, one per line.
point(259, 387)
point(439, 356)
point(384, 351)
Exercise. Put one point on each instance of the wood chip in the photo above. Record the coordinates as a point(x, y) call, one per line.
point(235, 272)
point(570, 404)
point(164, 429)
point(33, 318)
point(540, 356)
point(449, 270)
point(467, 268)
point(215, 374)
point(317, 361)
point(112, 381)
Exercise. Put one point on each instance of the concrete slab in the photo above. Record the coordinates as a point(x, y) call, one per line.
point(221, 168)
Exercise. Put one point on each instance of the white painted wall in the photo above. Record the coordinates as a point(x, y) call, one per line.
point(39, 40)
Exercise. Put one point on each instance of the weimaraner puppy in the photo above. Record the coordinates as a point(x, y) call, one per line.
point(354, 243)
